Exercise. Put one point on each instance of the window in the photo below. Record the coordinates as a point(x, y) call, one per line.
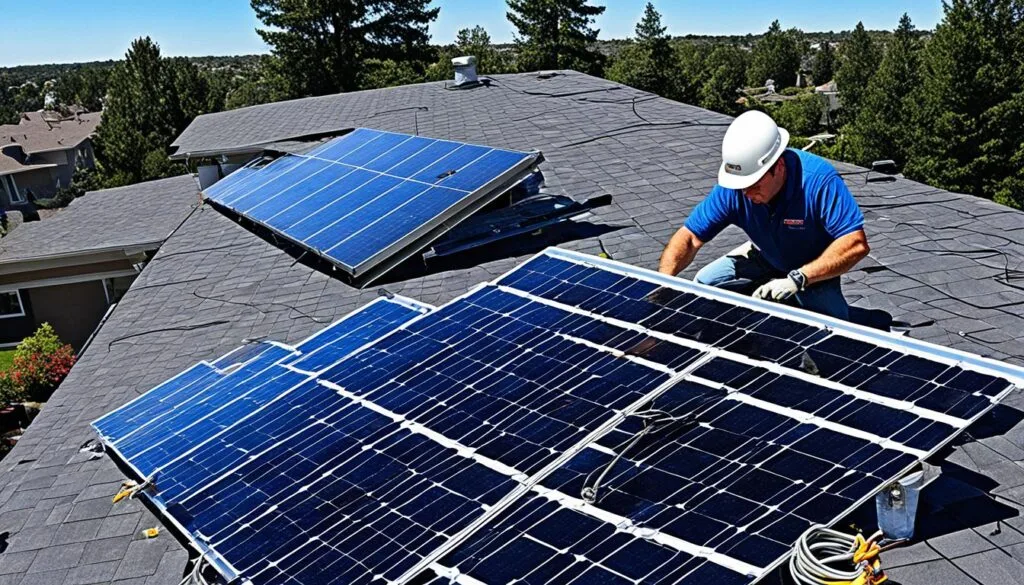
point(12, 189)
point(10, 304)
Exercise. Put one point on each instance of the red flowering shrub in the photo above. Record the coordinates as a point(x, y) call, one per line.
point(40, 364)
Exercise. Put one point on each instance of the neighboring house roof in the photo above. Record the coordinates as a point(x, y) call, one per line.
point(38, 132)
point(133, 218)
point(936, 257)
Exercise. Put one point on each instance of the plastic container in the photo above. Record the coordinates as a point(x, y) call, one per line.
point(896, 505)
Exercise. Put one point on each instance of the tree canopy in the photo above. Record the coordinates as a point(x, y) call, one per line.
point(556, 34)
point(858, 60)
point(776, 56)
point(150, 101)
point(647, 63)
point(329, 46)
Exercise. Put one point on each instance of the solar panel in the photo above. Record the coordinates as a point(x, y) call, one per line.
point(369, 199)
point(575, 421)
point(173, 417)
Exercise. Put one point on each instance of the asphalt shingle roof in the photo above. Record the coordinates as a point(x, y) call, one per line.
point(125, 217)
point(213, 284)
point(34, 134)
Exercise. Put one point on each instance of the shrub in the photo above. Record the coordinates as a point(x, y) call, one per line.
point(40, 364)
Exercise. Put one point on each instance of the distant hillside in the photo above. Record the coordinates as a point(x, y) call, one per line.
point(22, 73)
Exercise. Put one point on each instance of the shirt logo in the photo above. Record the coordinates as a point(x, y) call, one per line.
point(798, 222)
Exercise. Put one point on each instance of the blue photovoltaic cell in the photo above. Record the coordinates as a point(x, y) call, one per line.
point(351, 333)
point(365, 193)
point(173, 417)
point(540, 541)
point(358, 457)
point(377, 498)
point(156, 402)
point(889, 373)
point(462, 371)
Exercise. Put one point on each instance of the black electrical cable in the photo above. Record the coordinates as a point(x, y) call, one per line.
point(285, 306)
point(162, 329)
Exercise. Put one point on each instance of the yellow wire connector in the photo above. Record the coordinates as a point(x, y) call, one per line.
point(151, 532)
point(128, 488)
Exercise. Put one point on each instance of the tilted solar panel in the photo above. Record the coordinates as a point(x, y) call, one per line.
point(576, 421)
point(369, 199)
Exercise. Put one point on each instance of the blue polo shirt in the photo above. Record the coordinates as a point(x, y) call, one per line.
point(813, 209)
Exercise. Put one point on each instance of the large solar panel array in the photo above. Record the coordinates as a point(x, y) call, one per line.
point(371, 198)
point(576, 421)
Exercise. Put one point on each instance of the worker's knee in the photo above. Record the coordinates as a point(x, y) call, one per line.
point(717, 273)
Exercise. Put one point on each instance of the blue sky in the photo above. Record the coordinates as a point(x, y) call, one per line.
point(225, 27)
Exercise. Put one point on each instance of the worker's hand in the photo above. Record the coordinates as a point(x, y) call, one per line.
point(779, 289)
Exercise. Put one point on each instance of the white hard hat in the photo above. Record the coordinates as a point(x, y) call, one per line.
point(751, 146)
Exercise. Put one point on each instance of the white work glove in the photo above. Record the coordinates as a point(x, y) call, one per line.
point(779, 289)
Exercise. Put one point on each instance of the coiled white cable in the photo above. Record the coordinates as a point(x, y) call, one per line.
point(820, 550)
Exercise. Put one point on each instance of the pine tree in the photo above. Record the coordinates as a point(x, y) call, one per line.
point(8, 113)
point(323, 46)
point(690, 63)
point(824, 67)
point(556, 34)
point(969, 134)
point(858, 60)
point(775, 56)
point(474, 41)
point(882, 128)
point(150, 100)
point(647, 62)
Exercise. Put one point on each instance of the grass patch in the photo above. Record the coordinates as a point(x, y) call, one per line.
point(6, 358)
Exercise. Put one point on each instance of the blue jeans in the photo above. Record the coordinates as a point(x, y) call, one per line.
point(743, 271)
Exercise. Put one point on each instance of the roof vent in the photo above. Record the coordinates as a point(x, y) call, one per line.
point(465, 70)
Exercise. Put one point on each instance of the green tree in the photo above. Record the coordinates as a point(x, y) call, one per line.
point(725, 72)
point(324, 46)
point(190, 91)
point(8, 113)
point(690, 63)
point(646, 63)
point(801, 116)
point(84, 87)
point(824, 66)
point(389, 73)
point(776, 56)
point(267, 83)
point(556, 34)
point(883, 127)
point(969, 111)
point(470, 41)
point(150, 101)
point(858, 60)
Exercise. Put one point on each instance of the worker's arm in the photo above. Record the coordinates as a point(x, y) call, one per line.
point(838, 258)
point(679, 252)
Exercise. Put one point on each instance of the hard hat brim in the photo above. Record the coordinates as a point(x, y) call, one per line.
point(732, 181)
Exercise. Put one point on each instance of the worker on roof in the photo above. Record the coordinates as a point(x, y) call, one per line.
point(804, 226)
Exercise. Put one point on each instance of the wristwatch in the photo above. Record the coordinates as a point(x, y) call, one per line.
point(799, 278)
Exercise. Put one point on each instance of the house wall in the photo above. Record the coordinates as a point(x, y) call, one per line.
point(73, 310)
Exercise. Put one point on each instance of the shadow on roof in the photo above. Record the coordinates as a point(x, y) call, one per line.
point(516, 247)
point(416, 266)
